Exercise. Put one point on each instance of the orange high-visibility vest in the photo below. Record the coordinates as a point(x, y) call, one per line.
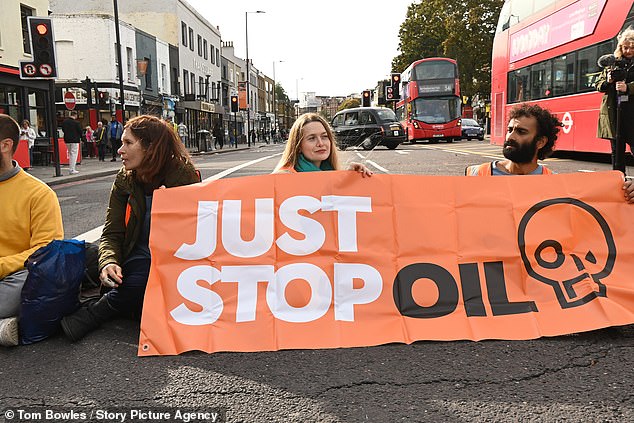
point(486, 169)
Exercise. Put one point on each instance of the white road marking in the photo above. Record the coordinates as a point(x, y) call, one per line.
point(94, 234)
point(240, 166)
point(405, 152)
point(90, 236)
point(382, 169)
point(360, 155)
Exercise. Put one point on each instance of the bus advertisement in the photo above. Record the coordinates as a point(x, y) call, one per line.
point(545, 52)
point(430, 107)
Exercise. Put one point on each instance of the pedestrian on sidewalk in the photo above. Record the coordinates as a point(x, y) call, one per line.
point(153, 157)
point(90, 142)
point(27, 133)
point(31, 218)
point(72, 138)
point(100, 137)
point(183, 132)
point(115, 130)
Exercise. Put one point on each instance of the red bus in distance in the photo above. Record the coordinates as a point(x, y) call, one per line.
point(430, 107)
point(545, 52)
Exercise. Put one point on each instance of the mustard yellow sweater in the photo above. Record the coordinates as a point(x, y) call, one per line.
point(30, 218)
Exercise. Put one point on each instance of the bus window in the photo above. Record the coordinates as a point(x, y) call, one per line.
point(434, 70)
point(541, 85)
point(564, 74)
point(518, 85)
point(587, 66)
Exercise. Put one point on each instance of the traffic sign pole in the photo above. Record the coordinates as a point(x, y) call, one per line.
point(53, 126)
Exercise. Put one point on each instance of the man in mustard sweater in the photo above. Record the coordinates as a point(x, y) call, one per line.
point(31, 218)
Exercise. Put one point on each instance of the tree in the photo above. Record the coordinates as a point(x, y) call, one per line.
point(461, 30)
point(349, 103)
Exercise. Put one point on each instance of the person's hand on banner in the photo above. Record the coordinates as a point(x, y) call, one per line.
point(628, 189)
point(358, 167)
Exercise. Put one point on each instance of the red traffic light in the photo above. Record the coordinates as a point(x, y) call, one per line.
point(366, 93)
point(41, 29)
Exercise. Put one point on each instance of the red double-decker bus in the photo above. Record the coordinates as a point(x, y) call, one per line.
point(430, 105)
point(546, 52)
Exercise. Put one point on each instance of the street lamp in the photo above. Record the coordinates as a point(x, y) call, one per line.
point(274, 102)
point(246, 30)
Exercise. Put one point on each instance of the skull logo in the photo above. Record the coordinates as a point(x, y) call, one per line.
point(567, 244)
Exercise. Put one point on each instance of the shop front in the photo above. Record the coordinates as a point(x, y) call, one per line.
point(25, 99)
point(204, 124)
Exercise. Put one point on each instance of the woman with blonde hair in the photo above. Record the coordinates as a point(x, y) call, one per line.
point(613, 89)
point(311, 147)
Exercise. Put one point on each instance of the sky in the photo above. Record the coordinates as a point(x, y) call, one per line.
point(330, 47)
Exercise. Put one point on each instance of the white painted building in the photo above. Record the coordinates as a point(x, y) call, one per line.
point(93, 55)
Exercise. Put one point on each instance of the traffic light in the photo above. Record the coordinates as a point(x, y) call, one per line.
point(396, 85)
point(103, 98)
point(389, 94)
point(234, 104)
point(87, 86)
point(43, 65)
point(365, 98)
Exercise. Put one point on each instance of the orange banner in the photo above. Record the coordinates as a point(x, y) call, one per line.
point(242, 96)
point(330, 259)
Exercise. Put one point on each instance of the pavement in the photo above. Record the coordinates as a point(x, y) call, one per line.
point(92, 168)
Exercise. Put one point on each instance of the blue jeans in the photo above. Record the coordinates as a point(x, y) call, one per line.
point(127, 299)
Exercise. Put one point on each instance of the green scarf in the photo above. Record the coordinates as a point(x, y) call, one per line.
point(304, 165)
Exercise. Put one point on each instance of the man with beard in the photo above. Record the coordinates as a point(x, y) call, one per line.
point(31, 218)
point(531, 136)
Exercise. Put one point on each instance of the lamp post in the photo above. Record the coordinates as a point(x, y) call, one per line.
point(118, 39)
point(246, 30)
point(275, 126)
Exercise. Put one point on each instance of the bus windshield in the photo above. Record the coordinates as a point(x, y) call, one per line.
point(437, 69)
point(436, 110)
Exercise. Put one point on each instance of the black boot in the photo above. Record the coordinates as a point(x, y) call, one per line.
point(87, 319)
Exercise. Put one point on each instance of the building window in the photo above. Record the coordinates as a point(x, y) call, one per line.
point(174, 82)
point(200, 46)
point(205, 54)
point(184, 33)
point(129, 63)
point(148, 74)
point(211, 53)
point(191, 39)
point(25, 12)
point(201, 86)
point(185, 81)
point(217, 57)
point(193, 82)
point(163, 77)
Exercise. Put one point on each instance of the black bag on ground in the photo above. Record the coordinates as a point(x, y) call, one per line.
point(51, 290)
point(91, 274)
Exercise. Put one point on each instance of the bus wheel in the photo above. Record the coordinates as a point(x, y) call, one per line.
point(449, 140)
